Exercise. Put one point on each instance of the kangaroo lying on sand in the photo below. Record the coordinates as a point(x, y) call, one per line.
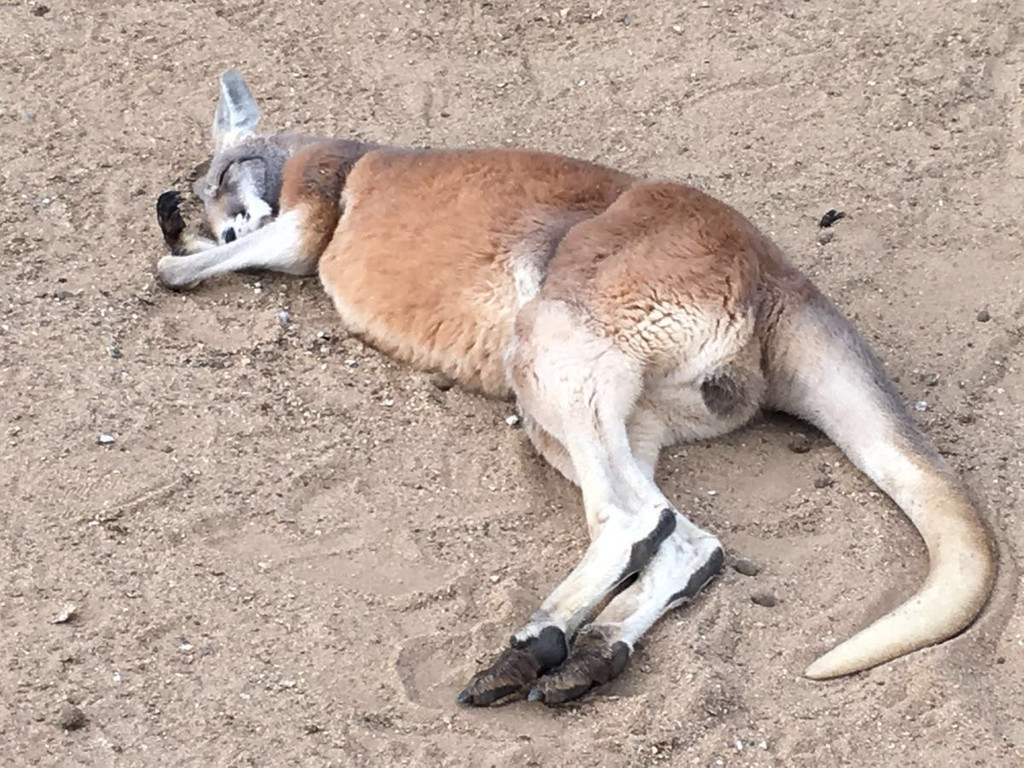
point(624, 315)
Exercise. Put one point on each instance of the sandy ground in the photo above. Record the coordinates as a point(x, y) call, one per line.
point(271, 565)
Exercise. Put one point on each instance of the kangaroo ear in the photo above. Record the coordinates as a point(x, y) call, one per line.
point(237, 114)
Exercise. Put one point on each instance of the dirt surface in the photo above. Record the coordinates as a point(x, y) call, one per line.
point(295, 552)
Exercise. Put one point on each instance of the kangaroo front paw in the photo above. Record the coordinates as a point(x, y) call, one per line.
point(176, 272)
point(594, 661)
point(168, 216)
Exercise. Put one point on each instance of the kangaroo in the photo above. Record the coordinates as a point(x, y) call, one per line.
point(623, 315)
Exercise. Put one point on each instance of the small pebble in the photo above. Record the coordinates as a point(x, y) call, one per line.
point(66, 614)
point(168, 449)
point(512, 421)
point(984, 316)
point(825, 236)
point(114, 352)
point(931, 380)
point(746, 568)
point(105, 439)
point(765, 599)
point(831, 217)
point(70, 717)
point(283, 317)
point(822, 481)
point(800, 444)
point(921, 405)
point(442, 382)
point(389, 402)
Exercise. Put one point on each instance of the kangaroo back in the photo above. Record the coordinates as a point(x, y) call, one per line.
point(822, 370)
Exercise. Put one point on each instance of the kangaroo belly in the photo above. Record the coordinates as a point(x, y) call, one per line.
point(436, 251)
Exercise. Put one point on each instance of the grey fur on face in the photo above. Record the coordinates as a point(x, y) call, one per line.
point(242, 188)
point(256, 162)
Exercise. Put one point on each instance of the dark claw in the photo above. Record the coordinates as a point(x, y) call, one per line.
point(168, 216)
point(510, 673)
point(593, 662)
point(516, 668)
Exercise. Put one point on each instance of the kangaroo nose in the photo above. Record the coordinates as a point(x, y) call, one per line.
point(229, 235)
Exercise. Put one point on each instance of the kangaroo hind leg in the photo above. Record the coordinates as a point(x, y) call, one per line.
point(683, 565)
point(580, 390)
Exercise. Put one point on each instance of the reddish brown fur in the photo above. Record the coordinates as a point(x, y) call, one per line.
point(391, 263)
point(660, 245)
point(314, 179)
point(419, 261)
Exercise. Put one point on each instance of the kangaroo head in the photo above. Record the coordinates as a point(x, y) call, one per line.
point(240, 190)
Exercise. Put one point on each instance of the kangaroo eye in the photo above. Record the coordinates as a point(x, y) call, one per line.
point(246, 215)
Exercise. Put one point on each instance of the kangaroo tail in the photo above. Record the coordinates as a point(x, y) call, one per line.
point(822, 370)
